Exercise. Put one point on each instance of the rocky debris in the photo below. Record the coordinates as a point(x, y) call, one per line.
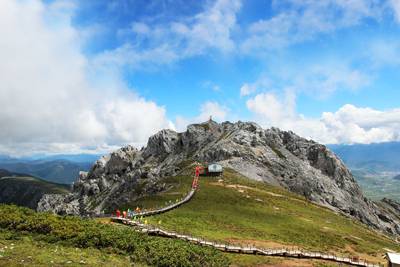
point(276, 157)
point(392, 203)
point(161, 144)
point(27, 191)
point(59, 204)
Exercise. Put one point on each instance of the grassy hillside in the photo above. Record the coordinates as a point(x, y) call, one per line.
point(234, 209)
point(19, 250)
point(26, 190)
point(39, 238)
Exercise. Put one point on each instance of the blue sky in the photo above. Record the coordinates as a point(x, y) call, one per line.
point(183, 85)
point(102, 74)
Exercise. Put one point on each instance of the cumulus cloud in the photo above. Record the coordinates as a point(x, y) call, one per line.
point(217, 111)
point(349, 124)
point(352, 124)
point(52, 98)
point(160, 44)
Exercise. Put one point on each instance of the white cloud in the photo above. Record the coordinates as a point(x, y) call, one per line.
point(320, 80)
point(383, 52)
point(214, 109)
point(298, 21)
point(161, 44)
point(140, 28)
point(217, 111)
point(52, 99)
point(396, 8)
point(211, 85)
point(324, 79)
point(349, 124)
point(247, 89)
point(262, 83)
point(272, 109)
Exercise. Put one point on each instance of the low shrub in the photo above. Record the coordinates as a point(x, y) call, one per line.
point(84, 233)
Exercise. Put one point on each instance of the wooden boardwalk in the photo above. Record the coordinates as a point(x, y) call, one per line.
point(186, 199)
point(283, 252)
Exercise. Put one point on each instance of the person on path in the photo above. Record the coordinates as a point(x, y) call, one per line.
point(124, 214)
point(118, 213)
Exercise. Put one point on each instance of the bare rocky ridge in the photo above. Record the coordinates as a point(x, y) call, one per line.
point(277, 157)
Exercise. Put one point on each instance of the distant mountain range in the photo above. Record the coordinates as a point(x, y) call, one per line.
point(23, 181)
point(375, 166)
point(78, 158)
point(375, 157)
point(25, 190)
point(62, 169)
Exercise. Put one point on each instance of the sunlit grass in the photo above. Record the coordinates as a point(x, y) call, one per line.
point(235, 209)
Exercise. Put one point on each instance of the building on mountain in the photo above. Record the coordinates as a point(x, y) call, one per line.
point(214, 169)
point(393, 259)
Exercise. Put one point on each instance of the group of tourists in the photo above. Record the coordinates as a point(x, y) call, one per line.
point(128, 213)
point(134, 215)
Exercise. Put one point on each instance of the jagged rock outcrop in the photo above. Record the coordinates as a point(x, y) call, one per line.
point(277, 157)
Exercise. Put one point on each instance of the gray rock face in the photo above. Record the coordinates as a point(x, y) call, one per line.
point(60, 204)
point(273, 156)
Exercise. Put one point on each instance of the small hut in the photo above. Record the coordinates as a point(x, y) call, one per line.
point(393, 259)
point(214, 169)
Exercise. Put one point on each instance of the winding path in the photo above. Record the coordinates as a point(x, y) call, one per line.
point(283, 252)
point(187, 198)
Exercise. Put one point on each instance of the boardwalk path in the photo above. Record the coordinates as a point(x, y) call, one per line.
point(186, 199)
point(284, 252)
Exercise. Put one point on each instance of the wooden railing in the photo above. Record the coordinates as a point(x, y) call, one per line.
point(186, 199)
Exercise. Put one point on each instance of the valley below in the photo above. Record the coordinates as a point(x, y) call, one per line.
point(378, 185)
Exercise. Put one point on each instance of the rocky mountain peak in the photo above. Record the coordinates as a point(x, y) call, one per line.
point(161, 144)
point(277, 157)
